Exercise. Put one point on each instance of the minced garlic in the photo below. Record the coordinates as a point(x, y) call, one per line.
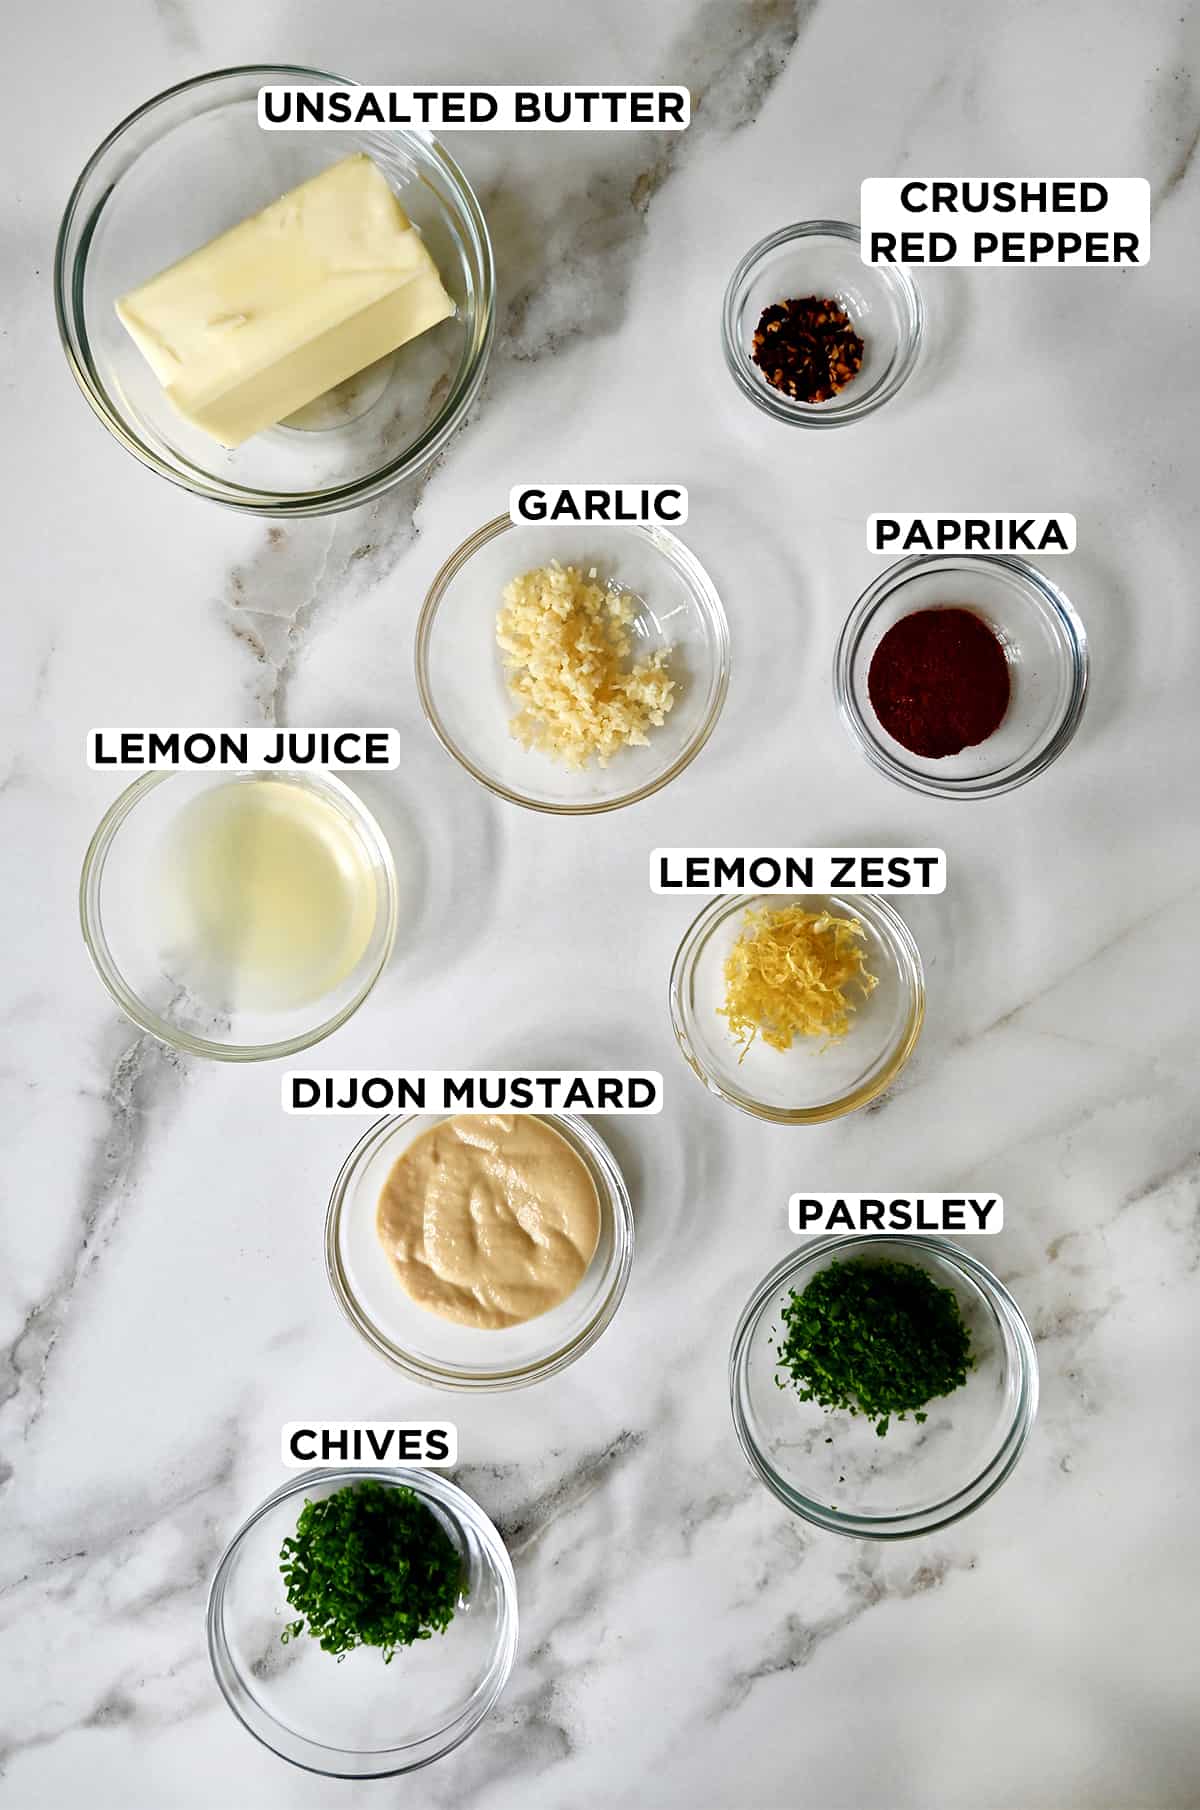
point(566, 643)
point(786, 976)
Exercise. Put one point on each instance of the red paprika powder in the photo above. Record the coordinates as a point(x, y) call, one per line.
point(939, 682)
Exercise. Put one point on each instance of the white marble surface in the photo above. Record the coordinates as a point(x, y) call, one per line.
point(162, 1302)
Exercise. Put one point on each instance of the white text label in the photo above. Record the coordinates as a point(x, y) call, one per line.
point(958, 1213)
point(428, 1444)
point(725, 870)
point(170, 749)
point(971, 533)
point(984, 221)
point(291, 107)
point(474, 1091)
point(664, 503)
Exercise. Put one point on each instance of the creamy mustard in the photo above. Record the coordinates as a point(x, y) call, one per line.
point(489, 1220)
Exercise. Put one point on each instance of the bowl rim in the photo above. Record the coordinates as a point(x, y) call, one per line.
point(569, 1125)
point(1054, 605)
point(452, 1499)
point(896, 278)
point(969, 1496)
point(91, 922)
point(713, 611)
point(247, 499)
point(910, 966)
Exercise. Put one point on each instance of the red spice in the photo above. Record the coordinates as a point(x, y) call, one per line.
point(807, 348)
point(939, 682)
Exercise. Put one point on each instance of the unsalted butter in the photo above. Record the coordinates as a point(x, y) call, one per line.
point(274, 312)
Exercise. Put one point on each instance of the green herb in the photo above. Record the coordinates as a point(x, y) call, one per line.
point(880, 1339)
point(369, 1566)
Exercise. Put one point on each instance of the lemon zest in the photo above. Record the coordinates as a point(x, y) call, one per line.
point(787, 976)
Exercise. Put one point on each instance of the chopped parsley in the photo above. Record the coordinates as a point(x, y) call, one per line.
point(880, 1339)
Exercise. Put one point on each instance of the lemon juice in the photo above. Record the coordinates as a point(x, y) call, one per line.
point(271, 894)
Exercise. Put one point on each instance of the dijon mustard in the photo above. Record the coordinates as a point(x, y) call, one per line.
point(489, 1220)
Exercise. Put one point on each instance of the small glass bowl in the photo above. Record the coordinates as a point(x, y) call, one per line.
point(437, 1351)
point(460, 673)
point(183, 168)
point(821, 257)
point(355, 1717)
point(1043, 640)
point(832, 1468)
point(812, 1081)
point(134, 944)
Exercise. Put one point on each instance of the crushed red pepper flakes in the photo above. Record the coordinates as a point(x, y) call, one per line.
point(807, 348)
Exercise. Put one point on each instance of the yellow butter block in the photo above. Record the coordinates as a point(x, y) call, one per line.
point(274, 312)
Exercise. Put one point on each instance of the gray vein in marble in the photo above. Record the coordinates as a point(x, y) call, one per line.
point(116, 1706)
point(109, 1533)
point(136, 1095)
point(178, 25)
point(1070, 1321)
point(1186, 1171)
point(111, 1549)
point(577, 264)
point(733, 59)
point(524, 1527)
point(1184, 1175)
point(796, 1642)
point(1178, 170)
point(526, 1737)
point(323, 562)
point(918, 114)
point(1137, 926)
point(1183, 1178)
point(696, 1516)
point(1175, 98)
point(53, 1563)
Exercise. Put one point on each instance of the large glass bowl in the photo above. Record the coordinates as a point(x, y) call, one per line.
point(460, 674)
point(168, 987)
point(188, 165)
point(822, 258)
point(812, 1081)
point(1044, 643)
point(832, 1468)
point(355, 1717)
point(438, 1351)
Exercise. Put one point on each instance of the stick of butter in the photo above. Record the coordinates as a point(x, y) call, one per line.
point(274, 312)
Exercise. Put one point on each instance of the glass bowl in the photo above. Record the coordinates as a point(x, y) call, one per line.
point(183, 168)
point(821, 257)
point(460, 674)
point(146, 959)
point(812, 1081)
point(1044, 643)
point(355, 1717)
point(832, 1468)
point(438, 1351)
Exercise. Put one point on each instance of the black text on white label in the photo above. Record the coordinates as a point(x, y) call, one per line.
point(474, 1091)
point(726, 870)
point(247, 749)
point(426, 1444)
point(666, 504)
point(971, 533)
point(1039, 220)
point(291, 107)
point(957, 1213)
